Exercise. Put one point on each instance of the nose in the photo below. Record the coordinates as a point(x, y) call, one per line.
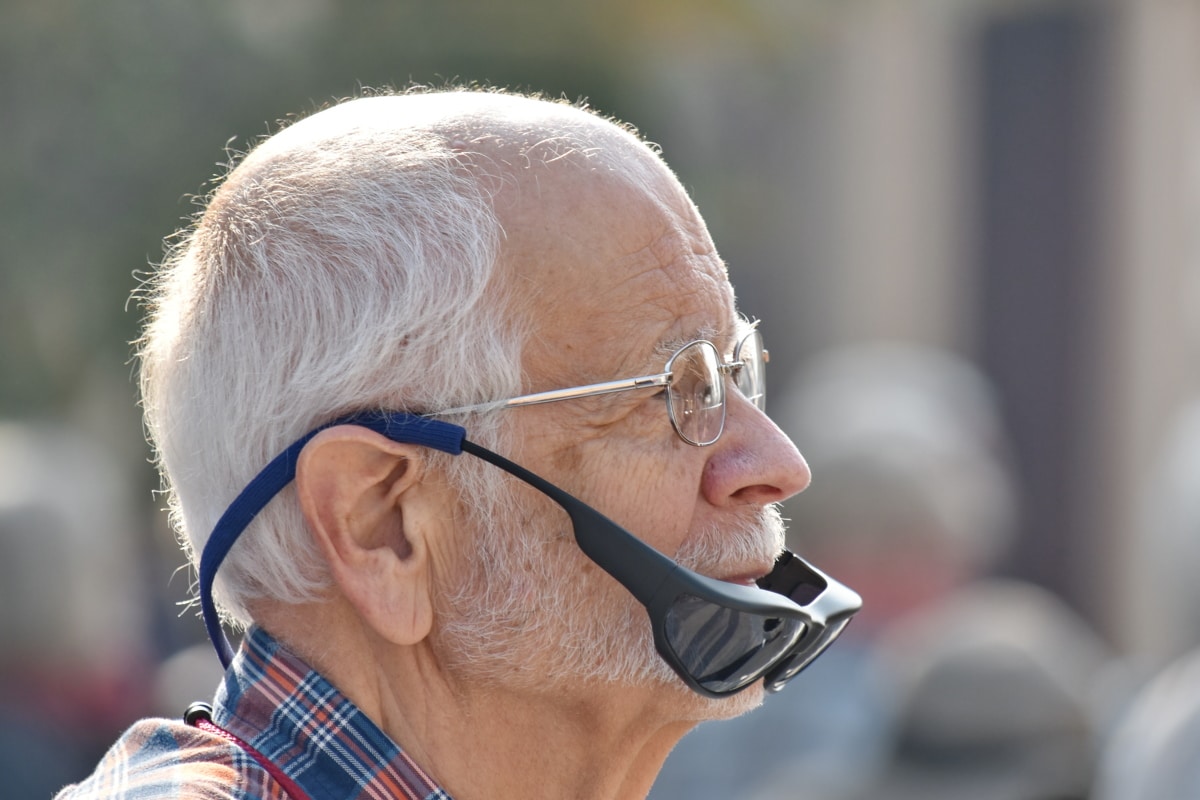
point(754, 462)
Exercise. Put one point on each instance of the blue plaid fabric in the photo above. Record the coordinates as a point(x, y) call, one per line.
point(285, 710)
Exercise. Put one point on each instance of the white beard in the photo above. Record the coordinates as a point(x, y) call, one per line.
point(530, 611)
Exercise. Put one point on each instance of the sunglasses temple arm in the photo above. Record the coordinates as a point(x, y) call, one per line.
point(636, 565)
point(229, 527)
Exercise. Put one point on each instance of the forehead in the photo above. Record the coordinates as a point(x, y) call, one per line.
point(612, 268)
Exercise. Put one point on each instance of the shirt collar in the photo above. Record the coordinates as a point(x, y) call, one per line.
point(297, 719)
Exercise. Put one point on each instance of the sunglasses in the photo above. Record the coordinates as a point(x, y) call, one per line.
point(694, 383)
point(718, 637)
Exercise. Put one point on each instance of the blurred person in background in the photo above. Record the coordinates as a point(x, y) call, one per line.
point(1151, 746)
point(421, 623)
point(1153, 752)
point(1170, 538)
point(74, 655)
point(994, 698)
point(916, 496)
point(911, 496)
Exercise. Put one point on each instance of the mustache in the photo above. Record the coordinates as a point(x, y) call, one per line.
point(751, 541)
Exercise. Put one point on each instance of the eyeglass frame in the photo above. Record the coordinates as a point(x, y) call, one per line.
point(662, 379)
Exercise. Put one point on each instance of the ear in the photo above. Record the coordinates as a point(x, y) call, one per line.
point(354, 487)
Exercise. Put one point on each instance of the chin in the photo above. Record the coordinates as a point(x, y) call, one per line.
point(701, 709)
point(745, 701)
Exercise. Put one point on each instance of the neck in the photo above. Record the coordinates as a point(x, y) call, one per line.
point(504, 744)
point(602, 741)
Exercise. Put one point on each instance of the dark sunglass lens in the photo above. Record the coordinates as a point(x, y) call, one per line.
point(804, 655)
point(724, 649)
point(696, 393)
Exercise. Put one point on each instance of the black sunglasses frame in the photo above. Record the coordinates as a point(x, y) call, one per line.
point(793, 590)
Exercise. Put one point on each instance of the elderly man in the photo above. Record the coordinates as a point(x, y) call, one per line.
point(375, 304)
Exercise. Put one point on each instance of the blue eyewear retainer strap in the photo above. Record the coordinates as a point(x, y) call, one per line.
point(399, 427)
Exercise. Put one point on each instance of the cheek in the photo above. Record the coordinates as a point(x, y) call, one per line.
point(635, 471)
point(652, 495)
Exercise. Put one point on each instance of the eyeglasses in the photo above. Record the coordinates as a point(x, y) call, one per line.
point(694, 383)
point(718, 637)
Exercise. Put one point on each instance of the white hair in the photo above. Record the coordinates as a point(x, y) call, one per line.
point(343, 273)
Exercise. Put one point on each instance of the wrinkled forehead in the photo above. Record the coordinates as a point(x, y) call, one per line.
point(608, 258)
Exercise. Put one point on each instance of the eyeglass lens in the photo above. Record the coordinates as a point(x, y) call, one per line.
point(696, 393)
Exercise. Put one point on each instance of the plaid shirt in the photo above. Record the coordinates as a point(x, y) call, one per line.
point(282, 708)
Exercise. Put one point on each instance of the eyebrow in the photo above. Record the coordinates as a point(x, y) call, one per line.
point(742, 326)
point(668, 347)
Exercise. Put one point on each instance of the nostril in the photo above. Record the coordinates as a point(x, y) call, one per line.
point(743, 476)
point(763, 493)
point(757, 495)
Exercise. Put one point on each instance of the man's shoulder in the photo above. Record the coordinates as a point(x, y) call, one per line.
point(164, 759)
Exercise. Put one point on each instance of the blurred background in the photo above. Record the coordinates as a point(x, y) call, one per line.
point(981, 215)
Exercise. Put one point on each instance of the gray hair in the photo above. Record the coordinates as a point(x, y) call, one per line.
point(348, 272)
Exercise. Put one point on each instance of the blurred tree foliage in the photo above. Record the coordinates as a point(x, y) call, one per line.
point(114, 113)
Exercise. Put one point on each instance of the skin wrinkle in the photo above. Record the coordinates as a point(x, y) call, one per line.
point(608, 411)
point(659, 293)
point(648, 435)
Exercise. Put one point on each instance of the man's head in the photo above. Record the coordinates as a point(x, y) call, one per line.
point(433, 251)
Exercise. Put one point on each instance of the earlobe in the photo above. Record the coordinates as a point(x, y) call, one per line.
point(356, 489)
